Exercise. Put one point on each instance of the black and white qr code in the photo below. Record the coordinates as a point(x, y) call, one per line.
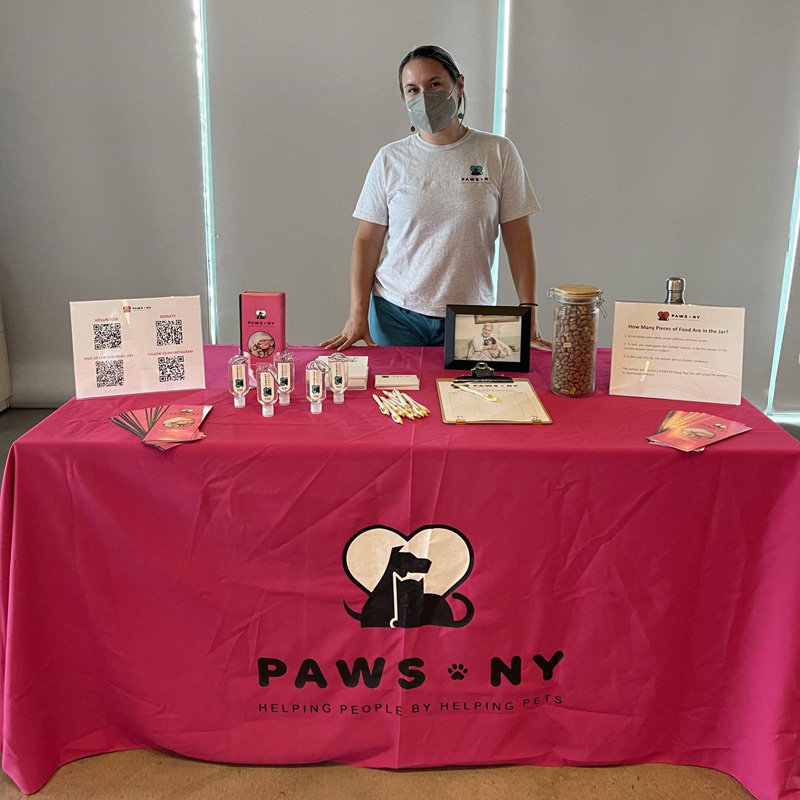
point(169, 332)
point(109, 373)
point(107, 336)
point(171, 368)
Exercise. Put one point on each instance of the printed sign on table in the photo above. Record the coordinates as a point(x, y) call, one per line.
point(123, 347)
point(678, 352)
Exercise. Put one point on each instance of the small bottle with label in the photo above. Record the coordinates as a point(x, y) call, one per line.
point(338, 377)
point(238, 384)
point(315, 385)
point(284, 370)
point(675, 290)
point(266, 384)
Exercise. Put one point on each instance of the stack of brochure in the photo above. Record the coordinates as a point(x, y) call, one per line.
point(693, 431)
point(164, 427)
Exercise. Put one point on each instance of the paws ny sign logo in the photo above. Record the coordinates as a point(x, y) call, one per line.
point(406, 581)
point(410, 580)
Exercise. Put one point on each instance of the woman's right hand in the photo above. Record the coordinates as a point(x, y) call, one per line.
point(355, 329)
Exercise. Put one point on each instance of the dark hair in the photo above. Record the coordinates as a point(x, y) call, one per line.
point(437, 54)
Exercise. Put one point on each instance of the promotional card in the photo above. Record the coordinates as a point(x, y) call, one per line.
point(262, 318)
point(693, 431)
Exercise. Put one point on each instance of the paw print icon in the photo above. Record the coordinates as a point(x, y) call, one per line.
point(457, 672)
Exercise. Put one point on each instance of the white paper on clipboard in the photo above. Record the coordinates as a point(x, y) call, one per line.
point(519, 404)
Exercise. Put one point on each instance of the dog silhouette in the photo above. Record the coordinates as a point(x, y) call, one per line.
point(399, 599)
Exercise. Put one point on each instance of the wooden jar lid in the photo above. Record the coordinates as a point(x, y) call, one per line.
point(574, 291)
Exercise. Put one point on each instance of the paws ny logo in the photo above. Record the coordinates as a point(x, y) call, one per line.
point(663, 316)
point(409, 580)
point(475, 175)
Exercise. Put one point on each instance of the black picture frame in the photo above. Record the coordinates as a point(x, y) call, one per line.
point(517, 318)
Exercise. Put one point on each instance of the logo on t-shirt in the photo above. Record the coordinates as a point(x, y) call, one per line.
point(476, 175)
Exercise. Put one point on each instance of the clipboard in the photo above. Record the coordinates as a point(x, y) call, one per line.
point(519, 404)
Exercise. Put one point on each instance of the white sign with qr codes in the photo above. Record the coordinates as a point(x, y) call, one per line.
point(134, 346)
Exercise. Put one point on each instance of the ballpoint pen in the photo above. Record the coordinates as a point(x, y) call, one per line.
point(406, 405)
point(416, 407)
point(386, 409)
point(488, 397)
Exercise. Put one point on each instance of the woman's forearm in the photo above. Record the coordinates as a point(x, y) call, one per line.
point(364, 260)
point(518, 241)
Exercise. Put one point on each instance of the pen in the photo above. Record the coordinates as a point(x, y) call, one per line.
point(412, 409)
point(385, 409)
point(490, 397)
point(415, 406)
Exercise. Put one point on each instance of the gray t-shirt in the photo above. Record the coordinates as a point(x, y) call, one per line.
point(442, 205)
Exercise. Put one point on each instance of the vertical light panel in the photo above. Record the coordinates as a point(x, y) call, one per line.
point(201, 39)
point(501, 67)
point(783, 308)
point(500, 99)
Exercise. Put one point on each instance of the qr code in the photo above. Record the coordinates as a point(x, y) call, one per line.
point(169, 332)
point(109, 373)
point(107, 336)
point(171, 368)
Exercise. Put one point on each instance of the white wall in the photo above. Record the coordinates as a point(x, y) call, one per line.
point(303, 95)
point(100, 172)
point(662, 139)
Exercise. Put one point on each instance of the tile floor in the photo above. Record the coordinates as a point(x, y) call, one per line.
point(147, 775)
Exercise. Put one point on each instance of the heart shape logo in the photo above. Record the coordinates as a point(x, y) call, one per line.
point(449, 552)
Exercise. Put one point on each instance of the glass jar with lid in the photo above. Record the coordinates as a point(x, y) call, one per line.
point(574, 339)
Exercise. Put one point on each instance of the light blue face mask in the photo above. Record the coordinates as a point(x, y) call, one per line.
point(432, 111)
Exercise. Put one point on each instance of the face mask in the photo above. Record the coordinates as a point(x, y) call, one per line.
point(432, 111)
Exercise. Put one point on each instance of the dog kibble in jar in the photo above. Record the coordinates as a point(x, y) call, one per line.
point(574, 339)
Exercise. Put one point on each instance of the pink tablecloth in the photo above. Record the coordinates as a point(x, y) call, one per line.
point(579, 596)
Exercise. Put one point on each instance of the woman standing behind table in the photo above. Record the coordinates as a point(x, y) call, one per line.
point(440, 195)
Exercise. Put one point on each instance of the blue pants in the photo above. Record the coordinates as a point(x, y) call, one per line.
point(392, 325)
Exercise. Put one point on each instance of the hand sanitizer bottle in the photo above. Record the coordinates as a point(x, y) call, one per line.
point(315, 385)
point(238, 383)
point(338, 377)
point(284, 368)
point(266, 384)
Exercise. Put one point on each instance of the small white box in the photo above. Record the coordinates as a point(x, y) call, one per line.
point(357, 371)
point(410, 382)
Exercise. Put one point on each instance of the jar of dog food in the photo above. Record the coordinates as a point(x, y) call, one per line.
point(574, 339)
